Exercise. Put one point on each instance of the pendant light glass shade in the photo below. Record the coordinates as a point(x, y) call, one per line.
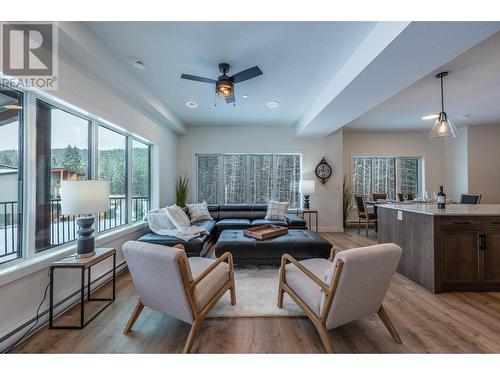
point(443, 128)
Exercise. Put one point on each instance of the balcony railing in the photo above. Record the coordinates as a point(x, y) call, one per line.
point(63, 227)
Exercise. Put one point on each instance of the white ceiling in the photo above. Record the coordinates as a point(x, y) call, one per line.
point(297, 58)
point(472, 87)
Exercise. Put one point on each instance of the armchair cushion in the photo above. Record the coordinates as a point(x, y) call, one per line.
point(303, 286)
point(212, 283)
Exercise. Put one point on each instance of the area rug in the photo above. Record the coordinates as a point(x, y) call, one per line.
point(256, 295)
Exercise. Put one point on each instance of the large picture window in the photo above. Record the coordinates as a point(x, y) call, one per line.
point(62, 153)
point(386, 175)
point(11, 119)
point(140, 180)
point(112, 166)
point(248, 178)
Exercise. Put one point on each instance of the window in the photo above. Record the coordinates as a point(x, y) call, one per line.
point(209, 178)
point(385, 175)
point(140, 180)
point(62, 153)
point(11, 119)
point(112, 166)
point(248, 178)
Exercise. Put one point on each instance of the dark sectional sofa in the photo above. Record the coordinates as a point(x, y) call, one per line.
point(225, 217)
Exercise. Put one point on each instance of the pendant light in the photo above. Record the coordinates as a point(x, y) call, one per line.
point(443, 127)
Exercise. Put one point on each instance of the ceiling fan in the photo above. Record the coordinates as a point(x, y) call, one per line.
point(224, 85)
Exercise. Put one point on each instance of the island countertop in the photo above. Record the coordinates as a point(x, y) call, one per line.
point(450, 210)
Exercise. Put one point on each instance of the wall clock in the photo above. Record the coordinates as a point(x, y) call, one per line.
point(323, 171)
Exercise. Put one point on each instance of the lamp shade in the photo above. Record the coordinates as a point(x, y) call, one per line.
point(84, 197)
point(443, 128)
point(306, 186)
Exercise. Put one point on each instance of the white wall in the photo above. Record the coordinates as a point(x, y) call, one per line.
point(484, 162)
point(327, 199)
point(362, 143)
point(79, 88)
point(455, 155)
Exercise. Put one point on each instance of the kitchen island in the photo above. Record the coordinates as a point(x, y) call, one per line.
point(454, 249)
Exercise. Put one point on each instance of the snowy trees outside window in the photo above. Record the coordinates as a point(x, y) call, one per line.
point(385, 175)
point(248, 178)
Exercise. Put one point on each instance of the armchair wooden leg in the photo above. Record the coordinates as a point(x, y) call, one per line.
point(281, 291)
point(367, 223)
point(388, 324)
point(232, 291)
point(135, 314)
point(325, 337)
point(193, 334)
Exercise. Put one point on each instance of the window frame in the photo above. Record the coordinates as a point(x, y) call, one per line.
point(21, 178)
point(220, 193)
point(27, 149)
point(131, 150)
point(397, 159)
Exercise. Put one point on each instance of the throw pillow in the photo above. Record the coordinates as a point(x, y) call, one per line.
point(199, 211)
point(178, 217)
point(277, 211)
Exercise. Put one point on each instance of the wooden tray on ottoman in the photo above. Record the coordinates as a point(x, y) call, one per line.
point(263, 232)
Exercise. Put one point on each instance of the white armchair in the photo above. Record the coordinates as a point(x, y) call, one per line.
point(170, 282)
point(350, 285)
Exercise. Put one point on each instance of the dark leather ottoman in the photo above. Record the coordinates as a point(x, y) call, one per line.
point(299, 243)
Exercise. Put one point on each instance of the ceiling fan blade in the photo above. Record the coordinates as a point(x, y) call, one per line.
point(247, 74)
point(230, 99)
point(199, 79)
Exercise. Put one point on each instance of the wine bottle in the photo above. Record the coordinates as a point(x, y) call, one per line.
point(441, 199)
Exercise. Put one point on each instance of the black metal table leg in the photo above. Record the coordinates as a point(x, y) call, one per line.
point(114, 277)
point(51, 296)
point(82, 298)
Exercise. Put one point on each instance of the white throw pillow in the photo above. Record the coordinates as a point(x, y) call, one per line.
point(277, 211)
point(178, 217)
point(199, 211)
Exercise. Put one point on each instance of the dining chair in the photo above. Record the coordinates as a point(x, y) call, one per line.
point(470, 198)
point(348, 286)
point(365, 215)
point(401, 196)
point(185, 288)
point(379, 196)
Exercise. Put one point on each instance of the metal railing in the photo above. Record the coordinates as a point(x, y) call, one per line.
point(63, 227)
point(9, 215)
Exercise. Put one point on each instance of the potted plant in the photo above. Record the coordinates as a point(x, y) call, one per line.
point(182, 191)
point(347, 198)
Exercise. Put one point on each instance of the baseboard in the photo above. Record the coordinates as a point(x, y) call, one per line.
point(59, 308)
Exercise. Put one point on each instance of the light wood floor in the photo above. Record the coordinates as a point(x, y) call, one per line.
point(427, 323)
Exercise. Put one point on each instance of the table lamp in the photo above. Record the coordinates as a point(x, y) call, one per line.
point(306, 187)
point(87, 197)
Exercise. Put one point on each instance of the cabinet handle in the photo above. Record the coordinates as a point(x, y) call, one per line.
point(462, 222)
point(495, 223)
point(482, 242)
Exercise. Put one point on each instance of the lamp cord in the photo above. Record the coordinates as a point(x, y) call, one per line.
point(36, 320)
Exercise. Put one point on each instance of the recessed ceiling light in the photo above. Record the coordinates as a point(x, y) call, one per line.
point(13, 106)
point(431, 117)
point(273, 104)
point(463, 117)
point(245, 96)
point(191, 104)
point(139, 64)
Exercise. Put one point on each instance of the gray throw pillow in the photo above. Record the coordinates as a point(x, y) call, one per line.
point(277, 211)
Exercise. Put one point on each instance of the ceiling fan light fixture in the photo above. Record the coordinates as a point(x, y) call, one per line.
point(224, 88)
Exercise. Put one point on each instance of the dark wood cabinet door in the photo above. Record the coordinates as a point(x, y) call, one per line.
point(460, 256)
point(491, 257)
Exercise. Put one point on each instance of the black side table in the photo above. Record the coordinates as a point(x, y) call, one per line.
point(309, 213)
point(82, 264)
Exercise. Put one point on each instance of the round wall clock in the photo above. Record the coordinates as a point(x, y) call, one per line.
point(323, 171)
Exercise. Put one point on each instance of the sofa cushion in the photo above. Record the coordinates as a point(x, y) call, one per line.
point(209, 225)
point(178, 217)
point(197, 246)
point(256, 223)
point(295, 221)
point(199, 211)
point(232, 224)
point(276, 210)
